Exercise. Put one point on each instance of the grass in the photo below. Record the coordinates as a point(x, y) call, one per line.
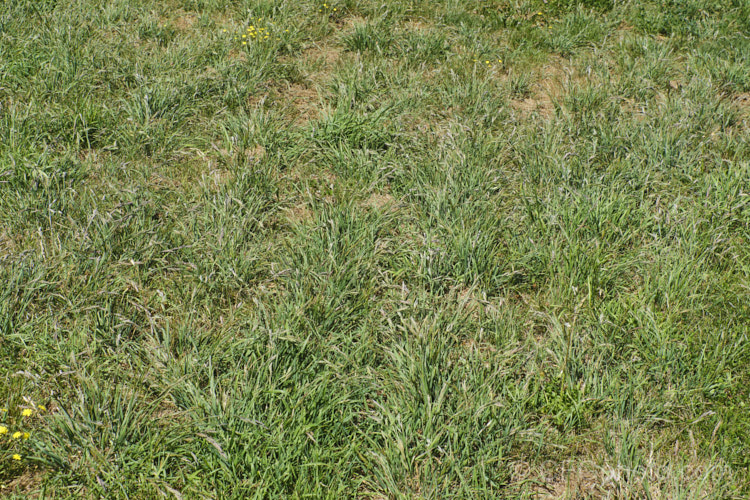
point(394, 250)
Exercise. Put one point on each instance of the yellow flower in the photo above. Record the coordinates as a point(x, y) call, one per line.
point(17, 434)
point(4, 410)
point(42, 407)
point(16, 457)
point(26, 436)
point(27, 412)
point(3, 430)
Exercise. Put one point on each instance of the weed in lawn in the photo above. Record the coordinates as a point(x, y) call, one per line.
point(16, 426)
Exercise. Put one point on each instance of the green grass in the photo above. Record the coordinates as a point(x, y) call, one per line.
point(396, 250)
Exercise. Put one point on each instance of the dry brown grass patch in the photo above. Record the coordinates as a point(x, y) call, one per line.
point(304, 100)
point(216, 179)
point(742, 101)
point(10, 244)
point(252, 155)
point(674, 468)
point(320, 61)
point(379, 201)
point(325, 55)
point(556, 77)
point(552, 81)
point(540, 104)
point(184, 21)
point(299, 214)
point(301, 99)
point(237, 55)
point(300, 173)
point(160, 182)
point(417, 25)
point(26, 484)
point(352, 21)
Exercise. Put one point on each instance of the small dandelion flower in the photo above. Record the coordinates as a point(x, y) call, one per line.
point(16, 457)
point(244, 43)
point(4, 410)
point(42, 407)
point(223, 31)
point(487, 62)
point(27, 412)
point(539, 13)
point(17, 434)
point(26, 436)
point(3, 430)
point(244, 36)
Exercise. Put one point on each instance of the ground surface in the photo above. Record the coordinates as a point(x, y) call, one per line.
point(407, 249)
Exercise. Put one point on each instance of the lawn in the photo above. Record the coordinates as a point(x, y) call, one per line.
point(400, 249)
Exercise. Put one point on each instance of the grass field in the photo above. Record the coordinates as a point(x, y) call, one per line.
point(375, 249)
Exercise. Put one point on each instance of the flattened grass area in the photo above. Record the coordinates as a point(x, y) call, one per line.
point(406, 249)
